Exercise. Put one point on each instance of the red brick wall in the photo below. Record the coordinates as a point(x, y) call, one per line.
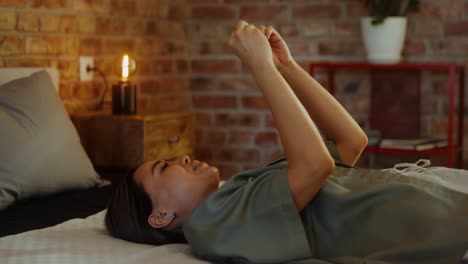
point(235, 130)
point(184, 62)
point(54, 33)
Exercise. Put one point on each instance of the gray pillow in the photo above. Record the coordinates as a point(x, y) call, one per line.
point(40, 150)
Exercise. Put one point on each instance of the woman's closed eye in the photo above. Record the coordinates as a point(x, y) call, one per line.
point(158, 167)
point(164, 166)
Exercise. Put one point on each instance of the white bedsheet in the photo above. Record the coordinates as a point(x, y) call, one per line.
point(85, 241)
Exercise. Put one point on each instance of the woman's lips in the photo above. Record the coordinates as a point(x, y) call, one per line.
point(196, 165)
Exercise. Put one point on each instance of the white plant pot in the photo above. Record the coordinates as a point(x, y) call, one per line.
point(384, 42)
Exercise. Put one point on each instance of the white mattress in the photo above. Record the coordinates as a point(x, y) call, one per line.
point(85, 241)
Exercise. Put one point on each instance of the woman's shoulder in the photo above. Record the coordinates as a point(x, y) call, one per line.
point(256, 200)
point(246, 186)
point(277, 159)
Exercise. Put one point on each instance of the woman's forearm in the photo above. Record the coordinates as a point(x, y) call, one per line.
point(300, 137)
point(309, 162)
point(329, 115)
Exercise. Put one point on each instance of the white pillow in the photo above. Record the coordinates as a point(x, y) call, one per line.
point(40, 150)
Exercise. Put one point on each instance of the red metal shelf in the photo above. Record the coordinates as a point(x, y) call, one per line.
point(428, 152)
point(455, 148)
point(397, 66)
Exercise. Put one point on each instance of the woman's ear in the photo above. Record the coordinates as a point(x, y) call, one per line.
point(158, 219)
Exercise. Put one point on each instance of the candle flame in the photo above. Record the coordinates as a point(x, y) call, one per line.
point(125, 67)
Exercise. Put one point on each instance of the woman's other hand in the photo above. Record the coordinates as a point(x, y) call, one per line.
point(251, 45)
point(281, 54)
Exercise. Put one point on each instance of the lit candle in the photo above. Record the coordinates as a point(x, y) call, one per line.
point(124, 93)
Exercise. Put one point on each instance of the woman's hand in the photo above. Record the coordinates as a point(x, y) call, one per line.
point(281, 55)
point(309, 162)
point(251, 45)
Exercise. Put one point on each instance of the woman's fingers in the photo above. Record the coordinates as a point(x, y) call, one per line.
point(250, 44)
point(268, 31)
point(231, 39)
point(241, 25)
point(262, 28)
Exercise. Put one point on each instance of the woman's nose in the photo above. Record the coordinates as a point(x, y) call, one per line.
point(184, 159)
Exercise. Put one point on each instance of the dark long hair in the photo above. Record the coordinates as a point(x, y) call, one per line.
point(127, 216)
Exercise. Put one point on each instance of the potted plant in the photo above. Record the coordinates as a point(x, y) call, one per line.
point(384, 31)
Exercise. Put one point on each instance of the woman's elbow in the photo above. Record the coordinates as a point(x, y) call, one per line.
point(323, 165)
point(326, 165)
point(351, 151)
point(329, 165)
point(361, 141)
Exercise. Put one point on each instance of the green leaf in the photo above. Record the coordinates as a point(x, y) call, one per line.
point(413, 6)
point(381, 9)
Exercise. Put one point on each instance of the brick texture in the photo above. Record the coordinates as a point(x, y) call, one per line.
point(213, 13)
point(314, 30)
point(48, 45)
point(255, 102)
point(11, 45)
point(54, 33)
point(50, 3)
point(208, 101)
point(184, 62)
point(262, 13)
point(316, 11)
point(28, 22)
point(86, 24)
point(214, 66)
point(456, 28)
point(13, 3)
point(266, 138)
point(93, 6)
point(7, 20)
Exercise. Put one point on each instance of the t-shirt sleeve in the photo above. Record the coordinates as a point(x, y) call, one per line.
point(332, 149)
point(249, 218)
point(331, 146)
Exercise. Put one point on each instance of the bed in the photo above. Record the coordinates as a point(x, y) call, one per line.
point(68, 228)
point(66, 224)
point(62, 223)
point(77, 239)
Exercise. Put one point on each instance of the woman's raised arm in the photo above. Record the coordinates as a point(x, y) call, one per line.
point(333, 121)
point(309, 162)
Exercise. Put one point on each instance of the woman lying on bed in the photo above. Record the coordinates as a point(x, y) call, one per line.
point(302, 206)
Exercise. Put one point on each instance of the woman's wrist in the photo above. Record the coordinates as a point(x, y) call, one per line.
point(285, 68)
point(260, 67)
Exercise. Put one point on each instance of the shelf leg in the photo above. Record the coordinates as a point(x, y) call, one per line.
point(331, 81)
point(451, 113)
point(461, 110)
point(372, 160)
point(312, 70)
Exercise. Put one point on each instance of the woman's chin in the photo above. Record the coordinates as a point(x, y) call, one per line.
point(212, 175)
point(215, 173)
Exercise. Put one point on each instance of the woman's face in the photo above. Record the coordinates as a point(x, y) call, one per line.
point(179, 185)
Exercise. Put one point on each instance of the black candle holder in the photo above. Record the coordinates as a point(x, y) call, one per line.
point(124, 98)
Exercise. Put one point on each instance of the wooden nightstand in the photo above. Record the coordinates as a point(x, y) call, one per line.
point(122, 142)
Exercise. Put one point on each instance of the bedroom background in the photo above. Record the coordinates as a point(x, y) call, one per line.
point(184, 63)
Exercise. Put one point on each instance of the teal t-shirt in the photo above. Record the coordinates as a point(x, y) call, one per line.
point(252, 216)
point(360, 216)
